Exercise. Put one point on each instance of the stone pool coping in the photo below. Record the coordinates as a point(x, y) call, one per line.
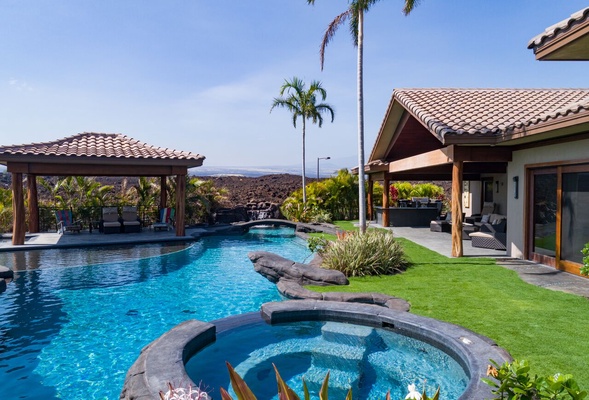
point(162, 361)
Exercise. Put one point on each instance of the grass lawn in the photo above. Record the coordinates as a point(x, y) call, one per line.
point(545, 327)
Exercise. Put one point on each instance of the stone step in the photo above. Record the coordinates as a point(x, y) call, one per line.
point(339, 356)
point(339, 381)
point(352, 335)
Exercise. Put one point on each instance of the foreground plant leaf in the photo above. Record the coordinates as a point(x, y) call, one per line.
point(284, 391)
point(239, 386)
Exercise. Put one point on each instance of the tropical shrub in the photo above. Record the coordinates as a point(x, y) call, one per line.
point(514, 382)
point(406, 190)
point(5, 210)
point(202, 200)
point(585, 267)
point(375, 252)
point(333, 198)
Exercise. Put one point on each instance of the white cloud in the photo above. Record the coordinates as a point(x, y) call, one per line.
point(21, 86)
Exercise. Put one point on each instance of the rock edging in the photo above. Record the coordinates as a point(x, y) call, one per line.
point(290, 277)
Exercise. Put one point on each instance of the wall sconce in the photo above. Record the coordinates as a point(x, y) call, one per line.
point(516, 187)
point(497, 186)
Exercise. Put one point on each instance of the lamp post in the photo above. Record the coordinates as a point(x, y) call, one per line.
point(320, 158)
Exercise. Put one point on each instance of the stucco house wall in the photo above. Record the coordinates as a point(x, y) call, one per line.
point(570, 151)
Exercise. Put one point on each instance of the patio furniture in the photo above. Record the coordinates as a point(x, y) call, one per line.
point(488, 209)
point(66, 223)
point(491, 235)
point(110, 220)
point(166, 220)
point(467, 229)
point(442, 225)
point(130, 221)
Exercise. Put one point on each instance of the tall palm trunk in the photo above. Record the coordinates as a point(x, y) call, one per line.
point(361, 186)
point(304, 185)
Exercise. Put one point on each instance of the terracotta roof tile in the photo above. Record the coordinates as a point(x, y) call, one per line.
point(107, 145)
point(489, 111)
point(561, 27)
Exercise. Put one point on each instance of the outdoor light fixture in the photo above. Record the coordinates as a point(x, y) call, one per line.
point(516, 187)
point(321, 158)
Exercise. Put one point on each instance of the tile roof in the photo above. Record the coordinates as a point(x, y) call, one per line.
point(101, 145)
point(561, 27)
point(489, 111)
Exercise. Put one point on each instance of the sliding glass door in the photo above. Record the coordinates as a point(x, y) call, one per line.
point(559, 215)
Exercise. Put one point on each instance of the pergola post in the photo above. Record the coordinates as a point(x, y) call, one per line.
point(33, 203)
point(385, 202)
point(18, 210)
point(369, 200)
point(163, 192)
point(180, 204)
point(457, 168)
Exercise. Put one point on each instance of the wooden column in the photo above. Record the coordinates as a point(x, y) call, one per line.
point(180, 204)
point(33, 203)
point(385, 202)
point(457, 209)
point(163, 192)
point(369, 198)
point(18, 210)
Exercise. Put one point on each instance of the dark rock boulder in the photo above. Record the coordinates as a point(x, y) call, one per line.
point(6, 273)
point(274, 267)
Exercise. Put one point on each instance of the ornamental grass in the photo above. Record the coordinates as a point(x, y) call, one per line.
point(375, 252)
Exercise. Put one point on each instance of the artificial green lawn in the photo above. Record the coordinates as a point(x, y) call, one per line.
point(550, 329)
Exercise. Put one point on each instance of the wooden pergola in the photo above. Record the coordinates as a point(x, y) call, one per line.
point(91, 154)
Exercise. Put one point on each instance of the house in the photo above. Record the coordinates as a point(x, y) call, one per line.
point(526, 150)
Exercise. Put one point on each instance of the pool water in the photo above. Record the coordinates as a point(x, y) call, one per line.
point(369, 360)
point(73, 321)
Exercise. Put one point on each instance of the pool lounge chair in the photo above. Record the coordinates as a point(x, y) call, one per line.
point(66, 223)
point(110, 220)
point(131, 222)
point(166, 220)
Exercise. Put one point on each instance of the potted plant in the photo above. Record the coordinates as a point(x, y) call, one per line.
point(585, 267)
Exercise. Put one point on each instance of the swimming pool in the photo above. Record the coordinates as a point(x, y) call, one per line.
point(73, 321)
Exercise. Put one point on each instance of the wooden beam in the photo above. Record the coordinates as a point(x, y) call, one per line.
point(385, 203)
point(94, 170)
point(163, 192)
point(369, 200)
point(457, 250)
point(431, 158)
point(18, 210)
point(33, 204)
point(180, 204)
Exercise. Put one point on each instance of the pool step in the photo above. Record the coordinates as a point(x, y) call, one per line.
point(332, 355)
point(352, 335)
point(339, 381)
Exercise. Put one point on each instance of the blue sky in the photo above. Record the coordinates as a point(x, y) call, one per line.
point(200, 75)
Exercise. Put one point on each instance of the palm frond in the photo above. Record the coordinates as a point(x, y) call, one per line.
point(330, 33)
point(409, 6)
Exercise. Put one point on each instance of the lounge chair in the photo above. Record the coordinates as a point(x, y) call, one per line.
point(66, 223)
point(166, 220)
point(110, 220)
point(491, 235)
point(131, 222)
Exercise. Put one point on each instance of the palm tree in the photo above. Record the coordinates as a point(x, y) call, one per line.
point(355, 13)
point(303, 103)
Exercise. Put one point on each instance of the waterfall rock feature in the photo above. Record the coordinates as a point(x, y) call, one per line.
point(290, 277)
point(274, 268)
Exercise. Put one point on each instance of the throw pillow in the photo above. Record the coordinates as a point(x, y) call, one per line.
point(485, 218)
